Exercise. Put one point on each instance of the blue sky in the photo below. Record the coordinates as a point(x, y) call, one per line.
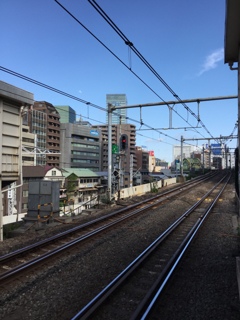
point(182, 40)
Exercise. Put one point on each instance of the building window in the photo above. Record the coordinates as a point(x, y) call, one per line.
point(54, 173)
point(24, 205)
point(25, 193)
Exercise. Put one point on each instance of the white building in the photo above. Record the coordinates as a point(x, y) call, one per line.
point(187, 151)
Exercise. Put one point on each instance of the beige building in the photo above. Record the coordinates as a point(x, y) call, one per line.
point(28, 144)
point(13, 102)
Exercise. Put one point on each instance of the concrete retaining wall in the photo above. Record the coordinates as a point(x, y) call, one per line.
point(144, 188)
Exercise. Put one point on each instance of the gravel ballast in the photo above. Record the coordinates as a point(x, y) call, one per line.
point(205, 286)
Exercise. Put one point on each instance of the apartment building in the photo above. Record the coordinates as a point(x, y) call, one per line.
point(46, 120)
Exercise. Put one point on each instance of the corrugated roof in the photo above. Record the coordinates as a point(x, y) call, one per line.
point(33, 171)
point(79, 172)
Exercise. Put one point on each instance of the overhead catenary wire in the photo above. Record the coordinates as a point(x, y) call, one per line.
point(140, 56)
point(95, 106)
point(232, 133)
point(131, 46)
point(75, 98)
point(80, 115)
point(129, 43)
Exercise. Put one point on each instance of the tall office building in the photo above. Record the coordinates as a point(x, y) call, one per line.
point(187, 151)
point(80, 146)
point(67, 114)
point(117, 100)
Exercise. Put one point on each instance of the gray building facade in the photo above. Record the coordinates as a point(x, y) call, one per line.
point(80, 146)
point(67, 114)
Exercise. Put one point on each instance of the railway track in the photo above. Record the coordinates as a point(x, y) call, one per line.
point(16, 263)
point(133, 293)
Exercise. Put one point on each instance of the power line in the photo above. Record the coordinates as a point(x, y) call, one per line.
point(129, 43)
point(94, 105)
point(75, 98)
point(50, 88)
point(91, 104)
point(140, 56)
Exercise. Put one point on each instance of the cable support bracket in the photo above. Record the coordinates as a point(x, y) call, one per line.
point(198, 115)
point(129, 43)
point(141, 122)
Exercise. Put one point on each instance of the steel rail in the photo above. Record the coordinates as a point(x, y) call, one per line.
point(24, 266)
point(91, 307)
point(61, 235)
point(146, 305)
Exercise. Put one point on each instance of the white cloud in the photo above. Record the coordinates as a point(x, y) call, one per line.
point(212, 60)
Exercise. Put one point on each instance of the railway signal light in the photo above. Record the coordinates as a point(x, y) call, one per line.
point(116, 173)
point(123, 142)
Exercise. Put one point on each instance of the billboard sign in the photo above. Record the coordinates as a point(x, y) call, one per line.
point(94, 133)
point(115, 148)
point(216, 149)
